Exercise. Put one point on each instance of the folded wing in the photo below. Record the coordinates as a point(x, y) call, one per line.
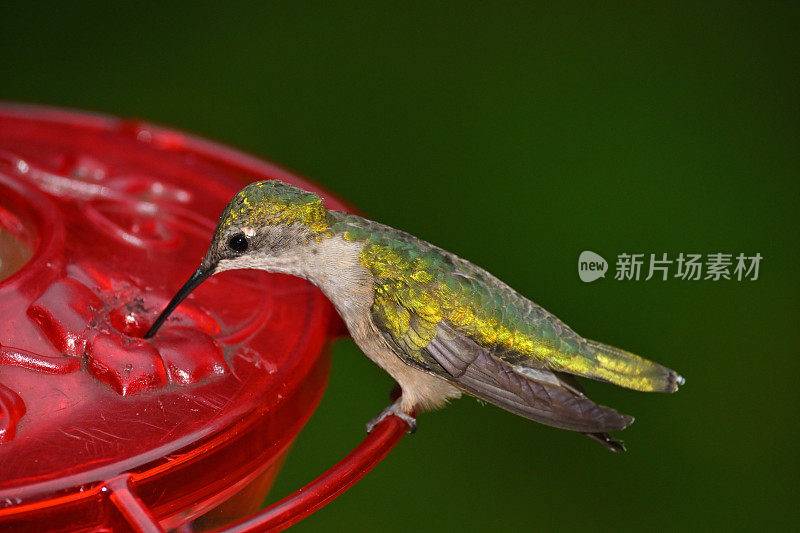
point(540, 395)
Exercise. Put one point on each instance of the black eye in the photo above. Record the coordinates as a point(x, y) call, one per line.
point(238, 243)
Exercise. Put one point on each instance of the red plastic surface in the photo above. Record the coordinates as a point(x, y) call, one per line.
point(115, 215)
point(328, 486)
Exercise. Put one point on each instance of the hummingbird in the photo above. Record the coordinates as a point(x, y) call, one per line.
point(438, 324)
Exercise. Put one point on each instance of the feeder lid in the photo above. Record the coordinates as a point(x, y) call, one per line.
point(101, 220)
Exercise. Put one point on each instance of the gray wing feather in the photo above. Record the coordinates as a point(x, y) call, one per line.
point(541, 395)
point(453, 351)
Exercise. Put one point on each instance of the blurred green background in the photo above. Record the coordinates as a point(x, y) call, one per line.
point(517, 136)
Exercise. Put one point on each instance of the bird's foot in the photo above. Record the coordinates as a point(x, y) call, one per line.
point(397, 411)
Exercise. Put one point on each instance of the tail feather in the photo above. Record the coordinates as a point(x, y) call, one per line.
point(629, 370)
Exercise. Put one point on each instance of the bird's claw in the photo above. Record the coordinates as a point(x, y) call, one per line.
point(395, 410)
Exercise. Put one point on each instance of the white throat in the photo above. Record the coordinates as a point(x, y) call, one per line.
point(333, 265)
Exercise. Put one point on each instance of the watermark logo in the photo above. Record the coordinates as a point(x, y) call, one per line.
point(591, 266)
point(684, 266)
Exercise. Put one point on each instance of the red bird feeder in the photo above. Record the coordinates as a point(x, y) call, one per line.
point(100, 221)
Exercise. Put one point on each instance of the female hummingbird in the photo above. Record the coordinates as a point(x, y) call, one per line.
point(438, 324)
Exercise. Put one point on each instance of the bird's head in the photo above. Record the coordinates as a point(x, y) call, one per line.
point(265, 226)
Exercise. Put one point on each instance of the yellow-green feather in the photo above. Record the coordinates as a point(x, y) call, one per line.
point(275, 202)
point(419, 285)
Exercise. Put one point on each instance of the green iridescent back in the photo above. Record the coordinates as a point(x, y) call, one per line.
point(418, 285)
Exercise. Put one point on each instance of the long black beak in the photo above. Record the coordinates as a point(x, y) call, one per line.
point(197, 278)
